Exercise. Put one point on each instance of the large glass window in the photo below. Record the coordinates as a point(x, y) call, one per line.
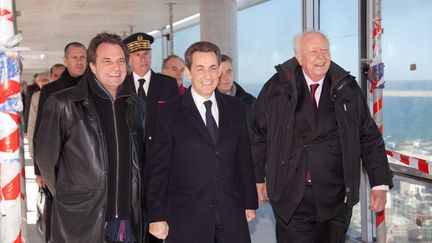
point(184, 38)
point(264, 42)
point(406, 49)
point(157, 55)
point(339, 21)
point(407, 109)
point(408, 211)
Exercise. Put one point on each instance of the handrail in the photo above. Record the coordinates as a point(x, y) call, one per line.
point(411, 173)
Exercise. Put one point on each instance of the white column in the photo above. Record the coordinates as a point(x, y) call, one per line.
point(218, 24)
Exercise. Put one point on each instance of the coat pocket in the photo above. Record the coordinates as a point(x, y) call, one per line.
point(180, 197)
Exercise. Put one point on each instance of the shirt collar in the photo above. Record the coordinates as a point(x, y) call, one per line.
point(146, 76)
point(199, 100)
point(309, 80)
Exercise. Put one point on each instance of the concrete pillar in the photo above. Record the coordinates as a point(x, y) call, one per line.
point(218, 24)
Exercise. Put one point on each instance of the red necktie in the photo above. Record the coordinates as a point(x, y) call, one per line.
point(313, 88)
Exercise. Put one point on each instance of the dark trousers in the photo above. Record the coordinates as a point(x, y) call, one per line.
point(219, 231)
point(304, 226)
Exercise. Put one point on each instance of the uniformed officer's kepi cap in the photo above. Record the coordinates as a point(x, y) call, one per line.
point(138, 42)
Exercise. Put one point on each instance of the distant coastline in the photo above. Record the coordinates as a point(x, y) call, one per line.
point(408, 93)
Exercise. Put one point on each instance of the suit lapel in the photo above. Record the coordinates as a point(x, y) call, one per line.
point(325, 103)
point(192, 114)
point(154, 87)
point(223, 115)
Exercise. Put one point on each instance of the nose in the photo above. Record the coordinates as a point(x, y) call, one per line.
point(116, 65)
point(80, 61)
point(207, 74)
point(321, 54)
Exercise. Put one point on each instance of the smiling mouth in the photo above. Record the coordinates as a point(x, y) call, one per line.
point(114, 75)
point(207, 82)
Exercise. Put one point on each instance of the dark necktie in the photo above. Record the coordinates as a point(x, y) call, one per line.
point(141, 92)
point(210, 122)
point(313, 88)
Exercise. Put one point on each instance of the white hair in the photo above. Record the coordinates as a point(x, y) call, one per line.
point(298, 38)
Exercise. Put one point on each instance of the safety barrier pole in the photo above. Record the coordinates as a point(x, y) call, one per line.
point(13, 220)
point(376, 75)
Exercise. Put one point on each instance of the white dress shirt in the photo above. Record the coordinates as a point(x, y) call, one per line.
point(147, 78)
point(199, 102)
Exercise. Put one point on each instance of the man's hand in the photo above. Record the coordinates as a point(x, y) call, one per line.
point(159, 229)
point(250, 214)
point(40, 181)
point(378, 199)
point(262, 192)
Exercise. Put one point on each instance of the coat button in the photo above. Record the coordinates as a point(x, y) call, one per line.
point(283, 162)
point(217, 153)
point(348, 189)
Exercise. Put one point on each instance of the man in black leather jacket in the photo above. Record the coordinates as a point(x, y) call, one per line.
point(91, 152)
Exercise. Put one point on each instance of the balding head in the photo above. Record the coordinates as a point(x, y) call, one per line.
point(41, 79)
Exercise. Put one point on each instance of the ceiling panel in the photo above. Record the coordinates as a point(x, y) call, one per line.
point(48, 25)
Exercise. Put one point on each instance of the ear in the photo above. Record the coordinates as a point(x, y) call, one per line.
point(299, 58)
point(93, 68)
point(188, 73)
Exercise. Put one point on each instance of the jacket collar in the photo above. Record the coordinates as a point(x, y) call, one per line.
point(288, 71)
point(81, 91)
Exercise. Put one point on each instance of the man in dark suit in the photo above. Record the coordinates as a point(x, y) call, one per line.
point(174, 66)
point(153, 87)
point(201, 181)
point(310, 130)
point(228, 86)
point(75, 59)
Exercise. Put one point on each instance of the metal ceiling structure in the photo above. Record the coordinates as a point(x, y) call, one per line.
point(48, 25)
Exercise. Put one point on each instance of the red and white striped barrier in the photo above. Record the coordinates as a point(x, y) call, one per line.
point(376, 74)
point(413, 162)
point(12, 199)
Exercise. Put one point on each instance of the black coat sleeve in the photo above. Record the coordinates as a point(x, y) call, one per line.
point(49, 148)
